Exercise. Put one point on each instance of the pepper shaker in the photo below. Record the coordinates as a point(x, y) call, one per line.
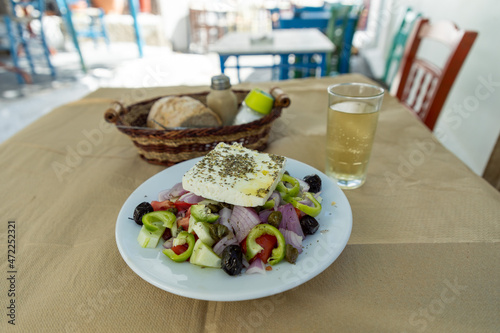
point(222, 99)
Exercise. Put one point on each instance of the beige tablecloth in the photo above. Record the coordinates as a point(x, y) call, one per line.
point(423, 256)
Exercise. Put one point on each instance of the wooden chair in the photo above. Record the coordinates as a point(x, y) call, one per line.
point(419, 84)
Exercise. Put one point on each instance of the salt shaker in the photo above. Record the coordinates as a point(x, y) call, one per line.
point(256, 105)
point(222, 99)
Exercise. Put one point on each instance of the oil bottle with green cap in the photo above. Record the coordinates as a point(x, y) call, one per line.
point(256, 105)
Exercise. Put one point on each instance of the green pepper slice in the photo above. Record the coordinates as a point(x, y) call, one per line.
point(202, 213)
point(269, 204)
point(153, 220)
point(311, 211)
point(183, 236)
point(285, 191)
point(253, 248)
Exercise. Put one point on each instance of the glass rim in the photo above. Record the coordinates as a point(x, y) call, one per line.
point(381, 91)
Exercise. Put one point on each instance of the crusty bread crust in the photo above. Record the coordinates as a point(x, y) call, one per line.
point(182, 111)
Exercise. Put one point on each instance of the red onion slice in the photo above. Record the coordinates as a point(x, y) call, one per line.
point(223, 243)
point(257, 266)
point(264, 214)
point(176, 191)
point(243, 219)
point(277, 199)
point(290, 220)
point(191, 198)
point(293, 239)
point(224, 216)
point(304, 187)
point(168, 243)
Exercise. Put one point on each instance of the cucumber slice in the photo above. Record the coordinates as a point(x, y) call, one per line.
point(192, 221)
point(203, 232)
point(204, 256)
point(150, 239)
point(174, 230)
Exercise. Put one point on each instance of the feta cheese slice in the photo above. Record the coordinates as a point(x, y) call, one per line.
point(235, 175)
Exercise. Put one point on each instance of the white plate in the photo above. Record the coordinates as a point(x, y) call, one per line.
point(320, 249)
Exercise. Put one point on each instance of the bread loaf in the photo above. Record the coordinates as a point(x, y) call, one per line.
point(183, 111)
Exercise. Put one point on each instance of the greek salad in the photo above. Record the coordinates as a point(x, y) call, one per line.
point(236, 239)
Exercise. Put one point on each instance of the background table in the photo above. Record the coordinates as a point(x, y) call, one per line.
point(423, 256)
point(298, 42)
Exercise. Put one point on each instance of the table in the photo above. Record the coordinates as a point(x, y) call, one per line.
point(298, 42)
point(424, 253)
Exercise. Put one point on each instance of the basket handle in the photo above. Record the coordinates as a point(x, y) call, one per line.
point(281, 99)
point(113, 112)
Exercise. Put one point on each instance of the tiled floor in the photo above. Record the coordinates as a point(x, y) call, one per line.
point(116, 66)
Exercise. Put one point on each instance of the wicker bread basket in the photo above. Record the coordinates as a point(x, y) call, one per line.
point(171, 146)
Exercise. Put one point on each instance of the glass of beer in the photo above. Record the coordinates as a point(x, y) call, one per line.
point(353, 110)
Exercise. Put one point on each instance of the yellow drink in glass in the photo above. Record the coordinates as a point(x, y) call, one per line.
point(351, 126)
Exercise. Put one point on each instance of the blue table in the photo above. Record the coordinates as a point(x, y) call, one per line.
point(305, 43)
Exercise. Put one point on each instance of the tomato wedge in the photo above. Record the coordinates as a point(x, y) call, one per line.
point(162, 205)
point(299, 213)
point(243, 245)
point(179, 249)
point(183, 223)
point(268, 243)
point(181, 205)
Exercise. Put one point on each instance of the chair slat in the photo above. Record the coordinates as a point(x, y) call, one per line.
point(419, 87)
point(431, 93)
point(424, 93)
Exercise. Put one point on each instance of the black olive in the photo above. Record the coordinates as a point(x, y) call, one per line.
point(309, 224)
point(232, 260)
point(140, 210)
point(314, 183)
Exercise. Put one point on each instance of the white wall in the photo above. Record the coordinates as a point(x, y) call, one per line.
point(470, 120)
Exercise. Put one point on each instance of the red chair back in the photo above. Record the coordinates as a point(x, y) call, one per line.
point(419, 84)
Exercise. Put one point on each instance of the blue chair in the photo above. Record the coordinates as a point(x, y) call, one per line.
point(93, 26)
point(341, 29)
point(398, 46)
point(98, 30)
point(18, 20)
point(303, 17)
